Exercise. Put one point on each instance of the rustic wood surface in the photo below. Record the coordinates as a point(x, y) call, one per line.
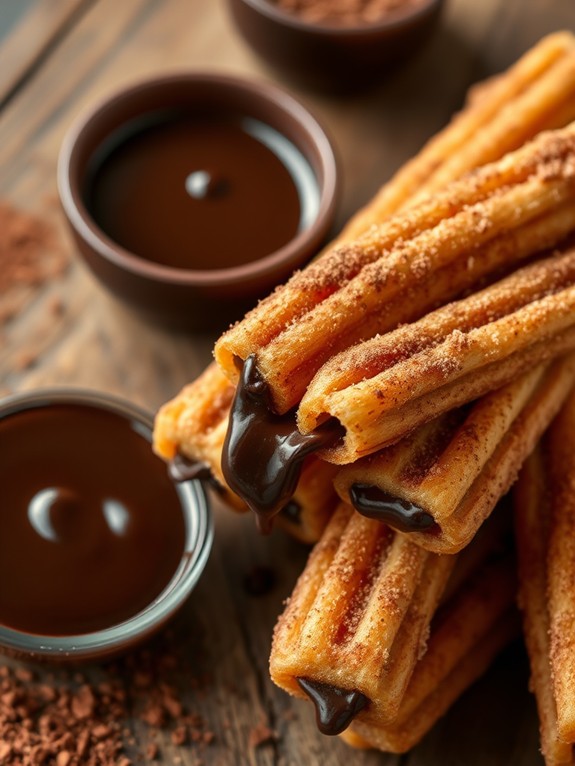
point(62, 56)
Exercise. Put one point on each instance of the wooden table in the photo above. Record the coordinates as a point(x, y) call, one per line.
point(62, 56)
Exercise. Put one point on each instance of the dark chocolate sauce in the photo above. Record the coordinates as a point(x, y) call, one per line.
point(91, 528)
point(200, 191)
point(335, 708)
point(264, 452)
point(181, 468)
point(402, 515)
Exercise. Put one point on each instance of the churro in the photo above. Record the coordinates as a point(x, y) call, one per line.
point(359, 290)
point(466, 636)
point(544, 504)
point(382, 389)
point(358, 622)
point(442, 481)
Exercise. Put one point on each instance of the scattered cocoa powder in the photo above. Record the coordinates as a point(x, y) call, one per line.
point(68, 720)
point(348, 12)
point(30, 252)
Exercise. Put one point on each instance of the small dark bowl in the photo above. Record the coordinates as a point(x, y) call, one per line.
point(329, 57)
point(186, 298)
point(118, 638)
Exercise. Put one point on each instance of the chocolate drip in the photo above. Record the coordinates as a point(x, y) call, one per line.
point(292, 512)
point(376, 503)
point(263, 452)
point(335, 708)
point(181, 468)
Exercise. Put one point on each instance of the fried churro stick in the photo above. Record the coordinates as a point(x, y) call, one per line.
point(331, 301)
point(466, 636)
point(442, 481)
point(189, 433)
point(501, 114)
point(358, 620)
point(545, 504)
point(382, 389)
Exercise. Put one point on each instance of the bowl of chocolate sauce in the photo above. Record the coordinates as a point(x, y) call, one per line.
point(342, 47)
point(98, 547)
point(191, 195)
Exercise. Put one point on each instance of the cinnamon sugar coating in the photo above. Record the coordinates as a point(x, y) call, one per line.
point(382, 389)
point(344, 296)
point(458, 466)
point(359, 619)
point(544, 507)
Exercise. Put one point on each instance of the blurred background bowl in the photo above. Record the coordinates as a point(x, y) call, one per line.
point(329, 57)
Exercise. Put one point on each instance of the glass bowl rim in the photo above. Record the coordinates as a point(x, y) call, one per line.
point(195, 505)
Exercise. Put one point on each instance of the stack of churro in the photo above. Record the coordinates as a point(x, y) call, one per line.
point(545, 513)
point(410, 369)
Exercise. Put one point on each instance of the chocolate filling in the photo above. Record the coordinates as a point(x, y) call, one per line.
point(264, 452)
point(335, 708)
point(376, 503)
point(181, 468)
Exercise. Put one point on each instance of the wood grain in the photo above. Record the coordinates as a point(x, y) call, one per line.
point(62, 57)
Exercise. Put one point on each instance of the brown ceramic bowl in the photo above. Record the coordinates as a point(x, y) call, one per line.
point(187, 298)
point(331, 57)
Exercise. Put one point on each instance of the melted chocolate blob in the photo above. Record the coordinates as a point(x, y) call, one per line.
point(264, 452)
point(402, 515)
point(184, 189)
point(335, 708)
point(91, 528)
point(181, 468)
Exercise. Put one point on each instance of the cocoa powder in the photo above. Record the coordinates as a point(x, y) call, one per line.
point(30, 252)
point(65, 719)
point(349, 12)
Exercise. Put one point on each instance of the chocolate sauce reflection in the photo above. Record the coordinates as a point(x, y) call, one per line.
point(335, 708)
point(264, 452)
point(402, 515)
point(82, 544)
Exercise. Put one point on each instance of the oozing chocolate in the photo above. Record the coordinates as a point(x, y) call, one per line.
point(264, 452)
point(91, 528)
point(335, 708)
point(402, 515)
point(181, 468)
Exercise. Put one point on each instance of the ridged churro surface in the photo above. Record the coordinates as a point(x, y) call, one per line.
point(343, 296)
point(385, 387)
point(358, 618)
point(534, 522)
point(457, 467)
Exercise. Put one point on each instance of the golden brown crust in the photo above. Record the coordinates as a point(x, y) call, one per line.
point(359, 615)
point(322, 301)
point(359, 619)
point(533, 516)
point(383, 388)
point(457, 467)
